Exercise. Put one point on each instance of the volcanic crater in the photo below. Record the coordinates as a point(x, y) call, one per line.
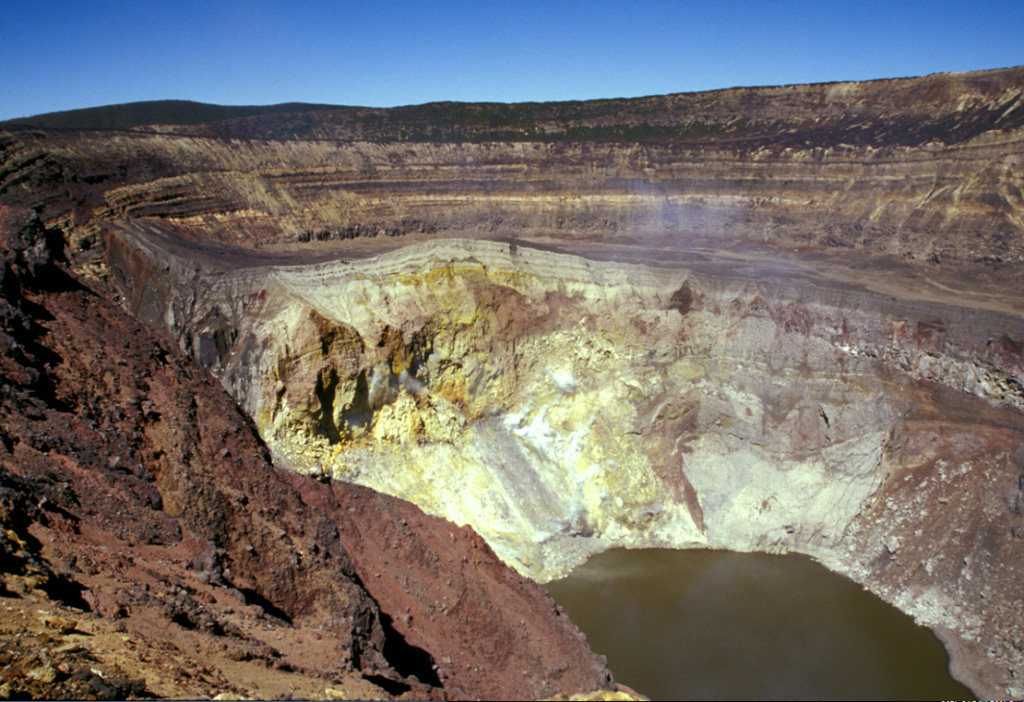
point(461, 348)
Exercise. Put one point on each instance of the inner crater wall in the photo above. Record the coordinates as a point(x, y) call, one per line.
point(562, 406)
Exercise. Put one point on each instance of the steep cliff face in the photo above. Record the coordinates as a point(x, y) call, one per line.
point(803, 332)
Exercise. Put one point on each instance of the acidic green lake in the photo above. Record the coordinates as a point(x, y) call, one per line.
point(722, 625)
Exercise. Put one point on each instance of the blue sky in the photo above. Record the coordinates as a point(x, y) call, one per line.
point(66, 54)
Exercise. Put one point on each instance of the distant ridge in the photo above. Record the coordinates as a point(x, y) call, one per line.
point(137, 114)
point(945, 107)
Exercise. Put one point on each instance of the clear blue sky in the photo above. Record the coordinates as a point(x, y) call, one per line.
point(65, 54)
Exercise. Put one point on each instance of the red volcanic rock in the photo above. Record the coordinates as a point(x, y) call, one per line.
point(138, 500)
point(444, 591)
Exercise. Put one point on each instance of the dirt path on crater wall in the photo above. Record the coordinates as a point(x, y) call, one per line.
point(875, 276)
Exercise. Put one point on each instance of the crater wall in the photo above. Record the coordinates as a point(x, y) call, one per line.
point(953, 204)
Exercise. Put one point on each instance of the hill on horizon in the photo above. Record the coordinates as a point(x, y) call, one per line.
point(948, 107)
point(152, 112)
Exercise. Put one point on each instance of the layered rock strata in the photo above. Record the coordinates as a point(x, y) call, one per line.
point(926, 169)
point(954, 204)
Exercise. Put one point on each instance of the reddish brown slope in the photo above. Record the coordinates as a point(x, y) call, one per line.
point(133, 488)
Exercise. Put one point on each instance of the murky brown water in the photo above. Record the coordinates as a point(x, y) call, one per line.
point(721, 625)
